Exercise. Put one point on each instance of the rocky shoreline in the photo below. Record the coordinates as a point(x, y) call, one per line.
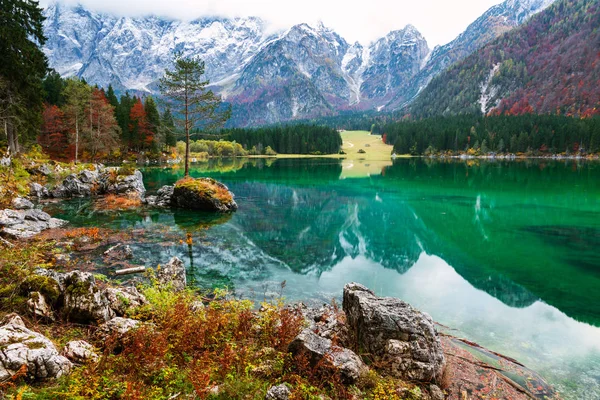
point(368, 338)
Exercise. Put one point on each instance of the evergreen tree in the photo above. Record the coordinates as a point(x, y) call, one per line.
point(112, 97)
point(168, 128)
point(54, 85)
point(185, 88)
point(22, 69)
point(152, 114)
point(77, 95)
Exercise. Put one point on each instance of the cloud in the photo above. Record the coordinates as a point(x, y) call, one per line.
point(438, 20)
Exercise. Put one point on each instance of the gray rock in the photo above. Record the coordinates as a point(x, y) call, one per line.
point(80, 352)
point(39, 306)
point(121, 299)
point(436, 393)
point(279, 392)
point(82, 300)
point(88, 177)
point(21, 346)
point(172, 275)
point(118, 252)
point(59, 192)
point(23, 224)
point(164, 195)
point(37, 190)
point(187, 198)
point(76, 188)
point(350, 366)
point(393, 331)
point(21, 203)
point(116, 327)
point(5, 161)
point(122, 184)
point(43, 169)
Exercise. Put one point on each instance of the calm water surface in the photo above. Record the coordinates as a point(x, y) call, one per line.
point(506, 254)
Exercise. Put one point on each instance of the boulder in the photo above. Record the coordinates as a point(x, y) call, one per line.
point(81, 299)
point(59, 192)
point(37, 190)
point(172, 275)
point(23, 224)
point(316, 348)
point(23, 347)
point(122, 299)
point(74, 187)
point(21, 203)
point(279, 392)
point(392, 331)
point(204, 194)
point(122, 184)
point(80, 352)
point(88, 177)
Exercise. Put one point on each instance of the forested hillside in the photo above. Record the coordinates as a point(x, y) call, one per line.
point(536, 135)
point(549, 65)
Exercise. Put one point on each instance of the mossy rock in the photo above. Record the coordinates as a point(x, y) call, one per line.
point(47, 286)
point(204, 194)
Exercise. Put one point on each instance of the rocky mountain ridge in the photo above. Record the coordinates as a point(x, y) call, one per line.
point(303, 72)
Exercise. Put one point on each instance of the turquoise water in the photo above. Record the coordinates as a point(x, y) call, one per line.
point(506, 254)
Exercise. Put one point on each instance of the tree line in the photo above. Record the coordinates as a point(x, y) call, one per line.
point(288, 139)
point(529, 133)
point(80, 121)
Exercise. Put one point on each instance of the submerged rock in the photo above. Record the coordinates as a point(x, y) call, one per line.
point(24, 347)
point(172, 274)
point(204, 194)
point(394, 332)
point(118, 252)
point(23, 224)
point(347, 363)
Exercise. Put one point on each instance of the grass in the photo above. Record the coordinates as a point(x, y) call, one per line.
point(205, 187)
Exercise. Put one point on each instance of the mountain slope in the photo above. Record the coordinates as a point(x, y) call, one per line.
point(310, 72)
point(551, 63)
point(494, 22)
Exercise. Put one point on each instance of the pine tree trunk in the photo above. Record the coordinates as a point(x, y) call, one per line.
point(187, 135)
point(76, 137)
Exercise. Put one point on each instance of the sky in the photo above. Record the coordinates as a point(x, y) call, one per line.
point(439, 21)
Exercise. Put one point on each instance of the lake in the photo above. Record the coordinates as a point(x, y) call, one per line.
point(506, 254)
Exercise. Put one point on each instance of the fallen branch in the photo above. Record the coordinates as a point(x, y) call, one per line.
point(6, 242)
point(127, 271)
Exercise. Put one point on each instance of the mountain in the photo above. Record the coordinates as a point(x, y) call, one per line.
point(132, 53)
point(268, 77)
point(494, 22)
point(310, 72)
point(550, 64)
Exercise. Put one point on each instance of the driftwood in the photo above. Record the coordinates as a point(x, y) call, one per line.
point(127, 271)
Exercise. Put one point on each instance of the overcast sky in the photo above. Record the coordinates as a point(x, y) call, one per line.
point(439, 21)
